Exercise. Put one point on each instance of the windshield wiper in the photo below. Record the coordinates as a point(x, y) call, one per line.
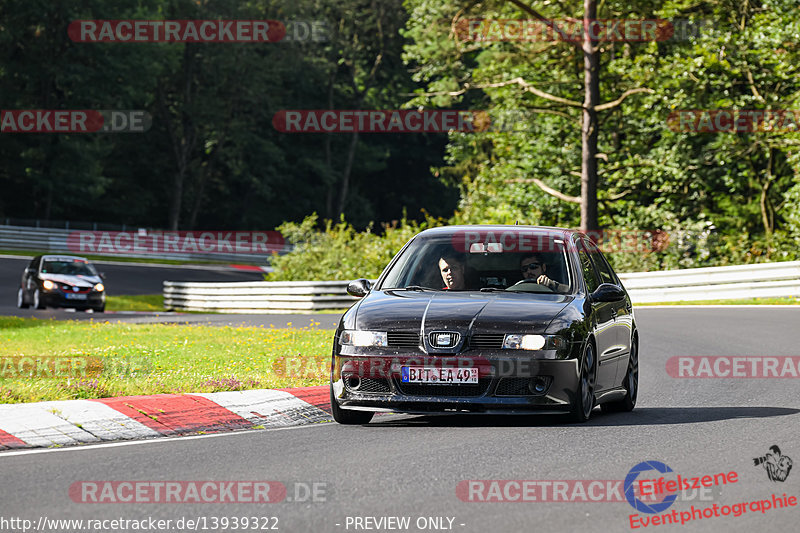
point(492, 289)
point(417, 288)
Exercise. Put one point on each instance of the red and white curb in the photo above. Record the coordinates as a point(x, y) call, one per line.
point(252, 268)
point(69, 422)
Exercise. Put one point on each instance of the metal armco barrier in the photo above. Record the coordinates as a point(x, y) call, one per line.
point(257, 296)
point(63, 241)
point(764, 280)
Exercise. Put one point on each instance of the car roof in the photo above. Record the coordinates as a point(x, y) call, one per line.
point(63, 258)
point(517, 228)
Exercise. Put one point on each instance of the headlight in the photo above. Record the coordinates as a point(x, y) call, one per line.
point(363, 338)
point(48, 285)
point(99, 287)
point(534, 342)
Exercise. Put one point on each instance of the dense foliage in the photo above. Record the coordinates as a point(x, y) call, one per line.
point(213, 159)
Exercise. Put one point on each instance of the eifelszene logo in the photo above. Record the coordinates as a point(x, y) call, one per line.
point(630, 494)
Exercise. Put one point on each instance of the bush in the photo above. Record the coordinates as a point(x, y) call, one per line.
point(339, 252)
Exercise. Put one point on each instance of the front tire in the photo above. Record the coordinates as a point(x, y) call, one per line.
point(631, 383)
point(347, 416)
point(21, 303)
point(584, 398)
point(37, 300)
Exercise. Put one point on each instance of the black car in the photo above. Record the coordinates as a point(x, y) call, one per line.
point(61, 281)
point(488, 319)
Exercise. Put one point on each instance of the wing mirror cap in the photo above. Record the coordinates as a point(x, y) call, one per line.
point(608, 292)
point(359, 288)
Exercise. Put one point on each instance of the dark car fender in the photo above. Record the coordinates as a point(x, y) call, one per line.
point(572, 324)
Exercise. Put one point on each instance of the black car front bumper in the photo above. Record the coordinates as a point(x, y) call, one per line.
point(61, 298)
point(504, 385)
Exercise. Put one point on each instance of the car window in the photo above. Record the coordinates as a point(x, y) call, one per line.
point(496, 265)
point(68, 268)
point(600, 263)
point(587, 269)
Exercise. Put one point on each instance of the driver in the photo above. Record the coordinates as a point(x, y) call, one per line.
point(452, 272)
point(534, 268)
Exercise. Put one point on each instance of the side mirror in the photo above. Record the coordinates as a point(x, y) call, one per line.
point(102, 275)
point(607, 292)
point(359, 287)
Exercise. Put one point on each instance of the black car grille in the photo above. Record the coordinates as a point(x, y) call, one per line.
point(487, 341)
point(403, 339)
point(421, 389)
point(513, 387)
point(69, 288)
point(372, 385)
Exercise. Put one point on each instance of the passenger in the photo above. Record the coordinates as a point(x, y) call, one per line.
point(534, 268)
point(452, 271)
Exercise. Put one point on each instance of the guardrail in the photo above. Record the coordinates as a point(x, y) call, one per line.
point(762, 280)
point(54, 240)
point(713, 283)
point(257, 296)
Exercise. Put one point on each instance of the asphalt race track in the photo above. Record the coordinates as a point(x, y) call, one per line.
point(407, 466)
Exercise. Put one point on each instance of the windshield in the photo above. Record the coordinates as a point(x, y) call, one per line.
point(447, 263)
point(74, 267)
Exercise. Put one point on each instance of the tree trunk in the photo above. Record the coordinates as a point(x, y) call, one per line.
point(331, 185)
point(764, 201)
point(589, 126)
point(351, 155)
point(182, 142)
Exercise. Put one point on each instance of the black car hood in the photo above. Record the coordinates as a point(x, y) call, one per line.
point(466, 312)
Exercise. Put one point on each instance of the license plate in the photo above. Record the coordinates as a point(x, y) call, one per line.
point(429, 374)
point(75, 296)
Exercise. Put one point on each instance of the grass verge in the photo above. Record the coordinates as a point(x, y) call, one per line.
point(139, 302)
point(743, 301)
point(156, 358)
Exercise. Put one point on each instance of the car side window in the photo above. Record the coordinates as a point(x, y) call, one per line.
point(587, 269)
point(600, 263)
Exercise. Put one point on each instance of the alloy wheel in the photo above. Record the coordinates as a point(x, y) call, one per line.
point(588, 380)
point(21, 299)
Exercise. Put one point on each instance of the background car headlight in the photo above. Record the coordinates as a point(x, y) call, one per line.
point(48, 285)
point(534, 342)
point(363, 338)
point(99, 287)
